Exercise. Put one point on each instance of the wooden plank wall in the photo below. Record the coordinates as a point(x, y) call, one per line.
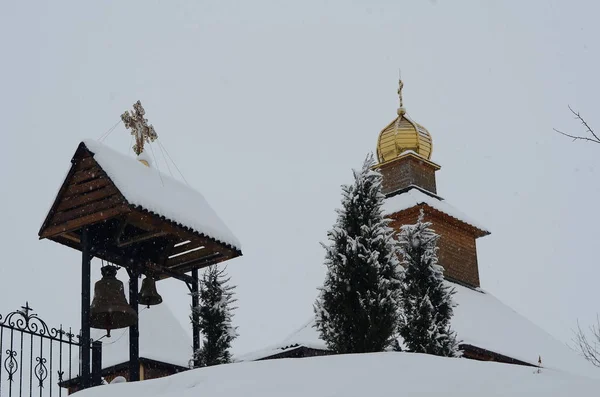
point(88, 197)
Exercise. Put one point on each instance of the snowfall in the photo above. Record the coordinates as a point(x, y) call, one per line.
point(360, 375)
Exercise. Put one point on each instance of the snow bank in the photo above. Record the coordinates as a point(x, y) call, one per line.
point(162, 338)
point(415, 196)
point(379, 374)
point(480, 320)
point(156, 192)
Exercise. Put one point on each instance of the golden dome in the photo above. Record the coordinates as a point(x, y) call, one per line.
point(401, 135)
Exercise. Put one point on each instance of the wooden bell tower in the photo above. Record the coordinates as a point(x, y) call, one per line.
point(120, 209)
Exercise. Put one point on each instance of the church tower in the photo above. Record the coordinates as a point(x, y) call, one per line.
point(404, 151)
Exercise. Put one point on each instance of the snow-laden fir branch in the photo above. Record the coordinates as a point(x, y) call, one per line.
point(215, 314)
point(357, 307)
point(426, 302)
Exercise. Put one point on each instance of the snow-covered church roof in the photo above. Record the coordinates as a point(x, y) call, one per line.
point(414, 196)
point(162, 338)
point(161, 194)
point(480, 320)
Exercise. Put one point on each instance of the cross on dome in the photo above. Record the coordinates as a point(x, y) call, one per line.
point(401, 109)
point(403, 135)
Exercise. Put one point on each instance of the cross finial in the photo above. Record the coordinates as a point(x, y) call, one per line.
point(401, 109)
point(26, 309)
point(140, 129)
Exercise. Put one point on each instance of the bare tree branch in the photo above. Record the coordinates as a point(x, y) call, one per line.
point(588, 129)
point(586, 125)
point(589, 346)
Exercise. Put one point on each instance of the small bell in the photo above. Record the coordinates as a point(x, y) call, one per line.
point(148, 294)
point(110, 309)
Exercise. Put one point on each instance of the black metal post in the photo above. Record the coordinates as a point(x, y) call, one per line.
point(96, 363)
point(86, 258)
point(195, 315)
point(134, 332)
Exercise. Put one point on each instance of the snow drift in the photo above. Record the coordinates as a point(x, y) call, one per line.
point(359, 375)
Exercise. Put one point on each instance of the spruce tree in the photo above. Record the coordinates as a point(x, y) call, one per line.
point(215, 313)
point(357, 308)
point(426, 302)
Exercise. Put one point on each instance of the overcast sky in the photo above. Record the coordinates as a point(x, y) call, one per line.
point(265, 108)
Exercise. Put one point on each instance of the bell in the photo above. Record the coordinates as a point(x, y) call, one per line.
point(110, 309)
point(148, 294)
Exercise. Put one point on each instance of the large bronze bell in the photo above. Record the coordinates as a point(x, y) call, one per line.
point(148, 294)
point(110, 309)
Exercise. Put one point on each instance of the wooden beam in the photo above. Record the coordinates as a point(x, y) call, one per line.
point(140, 238)
point(478, 353)
point(148, 221)
point(190, 256)
point(158, 270)
point(85, 163)
point(86, 198)
point(71, 236)
point(121, 229)
point(86, 175)
point(186, 247)
point(61, 217)
point(140, 217)
point(192, 261)
point(164, 255)
point(83, 221)
point(59, 195)
point(73, 190)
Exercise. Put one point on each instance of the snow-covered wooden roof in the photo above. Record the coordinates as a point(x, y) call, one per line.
point(136, 214)
point(480, 320)
point(160, 194)
point(414, 196)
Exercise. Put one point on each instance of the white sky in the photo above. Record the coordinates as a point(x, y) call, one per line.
point(266, 107)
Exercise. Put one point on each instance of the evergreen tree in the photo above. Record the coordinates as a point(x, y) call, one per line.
point(215, 315)
point(426, 302)
point(357, 308)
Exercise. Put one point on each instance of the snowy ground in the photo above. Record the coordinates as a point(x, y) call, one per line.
point(360, 375)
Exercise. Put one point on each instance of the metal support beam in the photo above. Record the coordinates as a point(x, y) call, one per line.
point(96, 363)
point(195, 316)
point(86, 259)
point(134, 331)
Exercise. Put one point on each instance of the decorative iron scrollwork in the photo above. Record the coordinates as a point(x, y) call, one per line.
point(41, 371)
point(10, 363)
point(52, 348)
point(26, 321)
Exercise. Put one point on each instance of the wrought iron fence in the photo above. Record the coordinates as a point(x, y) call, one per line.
point(36, 360)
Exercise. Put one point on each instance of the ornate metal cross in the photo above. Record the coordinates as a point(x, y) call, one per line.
point(26, 309)
point(400, 86)
point(140, 129)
